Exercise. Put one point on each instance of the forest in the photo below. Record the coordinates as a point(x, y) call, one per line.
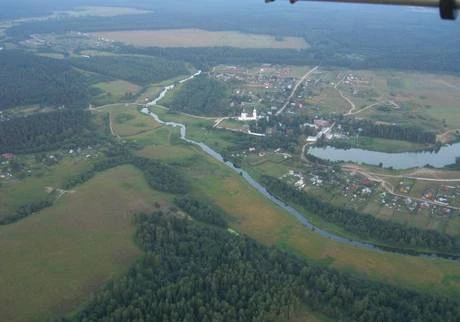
point(25, 211)
point(392, 38)
point(202, 211)
point(27, 79)
point(364, 225)
point(159, 175)
point(387, 131)
point(191, 271)
point(141, 70)
point(41, 132)
point(201, 96)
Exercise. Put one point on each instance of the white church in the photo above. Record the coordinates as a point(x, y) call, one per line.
point(246, 117)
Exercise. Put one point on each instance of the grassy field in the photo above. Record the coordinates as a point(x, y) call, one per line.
point(262, 220)
point(118, 88)
point(15, 194)
point(127, 121)
point(54, 259)
point(422, 99)
point(201, 38)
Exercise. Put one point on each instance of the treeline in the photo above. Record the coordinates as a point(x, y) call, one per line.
point(196, 272)
point(140, 70)
point(200, 211)
point(25, 211)
point(201, 96)
point(207, 57)
point(41, 132)
point(363, 225)
point(27, 79)
point(388, 131)
point(158, 175)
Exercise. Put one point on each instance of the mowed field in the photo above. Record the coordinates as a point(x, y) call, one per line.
point(52, 261)
point(32, 189)
point(127, 121)
point(201, 38)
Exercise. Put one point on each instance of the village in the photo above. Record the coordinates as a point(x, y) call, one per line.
point(18, 167)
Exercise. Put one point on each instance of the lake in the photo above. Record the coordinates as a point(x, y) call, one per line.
point(405, 160)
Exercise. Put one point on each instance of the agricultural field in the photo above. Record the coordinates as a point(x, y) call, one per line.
point(43, 180)
point(117, 90)
point(54, 259)
point(127, 121)
point(201, 38)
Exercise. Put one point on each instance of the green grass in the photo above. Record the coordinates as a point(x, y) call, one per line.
point(127, 121)
point(14, 194)
point(53, 260)
point(264, 221)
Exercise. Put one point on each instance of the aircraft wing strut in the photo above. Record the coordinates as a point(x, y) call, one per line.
point(447, 8)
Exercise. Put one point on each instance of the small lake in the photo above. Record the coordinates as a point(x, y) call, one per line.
point(406, 160)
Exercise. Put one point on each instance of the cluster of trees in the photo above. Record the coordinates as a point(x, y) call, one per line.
point(201, 211)
point(27, 79)
point(141, 70)
point(201, 96)
point(388, 131)
point(25, 211)
point(364, 225)
point(41, 132)
point(191, 271)
point(159, 175)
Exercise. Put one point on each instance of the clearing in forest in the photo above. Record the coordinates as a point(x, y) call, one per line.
point(202, 38)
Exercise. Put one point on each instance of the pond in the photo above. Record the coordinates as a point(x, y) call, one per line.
point(406, 160)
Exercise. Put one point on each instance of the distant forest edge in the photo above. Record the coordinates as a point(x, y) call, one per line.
point(138, 70)
point(27, 79)
point(408, 41)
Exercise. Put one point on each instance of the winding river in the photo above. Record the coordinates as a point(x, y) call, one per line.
point(267, 195)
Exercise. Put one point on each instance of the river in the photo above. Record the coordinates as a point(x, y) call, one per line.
point(292, 211)
point(445, 156)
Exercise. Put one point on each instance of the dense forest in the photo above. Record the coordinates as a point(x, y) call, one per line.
point(388, 131)
point(25, 211)
point(47, 131)
point(365, 226)
point(202, 211)
point(201, 96)
point(191, 271)
point(159, 175)
point(141, 70)
point(391, 39)
point(28, 79)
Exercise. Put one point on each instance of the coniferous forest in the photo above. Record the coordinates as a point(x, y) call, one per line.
point(192, 271)
point(27, 79)
point(47, 131)
point(365, 225)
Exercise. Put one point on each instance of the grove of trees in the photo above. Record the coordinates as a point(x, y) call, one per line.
point(47, 131)
point(192, 271)
point(364, 225)
point(27, 79)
